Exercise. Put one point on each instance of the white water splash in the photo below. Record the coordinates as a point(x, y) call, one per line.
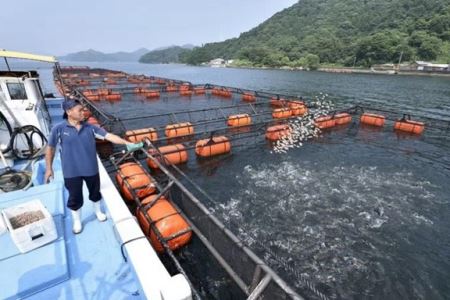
point(303, 128)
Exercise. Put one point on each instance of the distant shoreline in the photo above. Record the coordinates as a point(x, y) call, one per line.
point(344, 70)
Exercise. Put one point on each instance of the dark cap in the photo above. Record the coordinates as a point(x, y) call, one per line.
point(69, 104)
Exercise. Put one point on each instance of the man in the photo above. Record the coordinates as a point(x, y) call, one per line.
point(79, 159)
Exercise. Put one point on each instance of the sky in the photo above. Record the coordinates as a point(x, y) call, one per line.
point(67, 26)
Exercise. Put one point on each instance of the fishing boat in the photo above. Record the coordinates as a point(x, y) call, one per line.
point(41, 258)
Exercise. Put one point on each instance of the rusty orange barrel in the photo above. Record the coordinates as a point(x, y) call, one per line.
point(248, 97)
point(138, 180)
point(342, 118)
point(274, 133)
point(239, 120)
point(180, 129)
point(113, 97)
point(212, 146)
point(325, 122)
point(409, 126)
point(173, 154)
point(185, 93)
point(281, 113)
point(137, 135)
point(298, 108)
point(372, 119)
point(168, 222)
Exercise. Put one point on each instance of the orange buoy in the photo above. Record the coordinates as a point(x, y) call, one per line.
point(103, 92)
point(113, 96)
point(138, 180)
point(372, 119)
point(226, 93)
point(185, 87)
point(212, 146)
point(325, 122)
point(248, 97)
point(274, 133)
point(185, 93)
point(409, 126)
point(173, 154)
point(152, 94)
point(87, 113)
point(199, 90)
point(342, 118)
point(239, 120)
point(180, 129)
point(137, 135)
point(281, 113)
point(93, 121)
point(171, 88)
point(170, 224)
point(298, 108)
point(110, 81)
point(93, 97)
point(274, 102)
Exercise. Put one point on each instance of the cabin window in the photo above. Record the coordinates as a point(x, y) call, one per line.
point(16, 91)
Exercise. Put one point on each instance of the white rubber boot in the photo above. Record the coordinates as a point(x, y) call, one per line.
point(76, 219)
point(98, 212)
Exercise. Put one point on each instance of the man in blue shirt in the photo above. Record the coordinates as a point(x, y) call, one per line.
point(79, 158)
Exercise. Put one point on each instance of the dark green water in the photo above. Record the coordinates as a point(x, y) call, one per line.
point(363, 213)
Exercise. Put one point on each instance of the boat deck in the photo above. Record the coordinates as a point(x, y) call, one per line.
point(84, 266)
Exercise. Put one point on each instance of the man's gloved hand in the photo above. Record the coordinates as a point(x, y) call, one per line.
point(134, 147)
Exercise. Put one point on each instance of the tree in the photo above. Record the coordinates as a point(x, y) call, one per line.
point(428, 47)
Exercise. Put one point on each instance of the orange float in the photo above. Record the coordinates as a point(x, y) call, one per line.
point(342, 118)
point(93, 121)
point(180, 129)
point(173, 154)
point(325, 122)
point(170, 224)
point(274, 102)
point(372, 119)
point(248, 97)
point(199, 91)
point(152, 94)
point(281, 113)
point(239, 120)
point(185, 93)
point(137, 135)
point(171, 88)
point(409, 126)
point(87, 113)
point(103, 92)
point(298, 108)
point(274, 133)
point(212, 146)
point(113, 96)
point(138, 180)
point(185, 87)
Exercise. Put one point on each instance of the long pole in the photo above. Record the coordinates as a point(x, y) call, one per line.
point(6, 61)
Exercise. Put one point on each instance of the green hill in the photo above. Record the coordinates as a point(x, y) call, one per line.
point(172, 54)
point(343, 32)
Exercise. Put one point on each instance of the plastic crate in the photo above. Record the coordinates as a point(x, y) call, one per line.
point(30, 225)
